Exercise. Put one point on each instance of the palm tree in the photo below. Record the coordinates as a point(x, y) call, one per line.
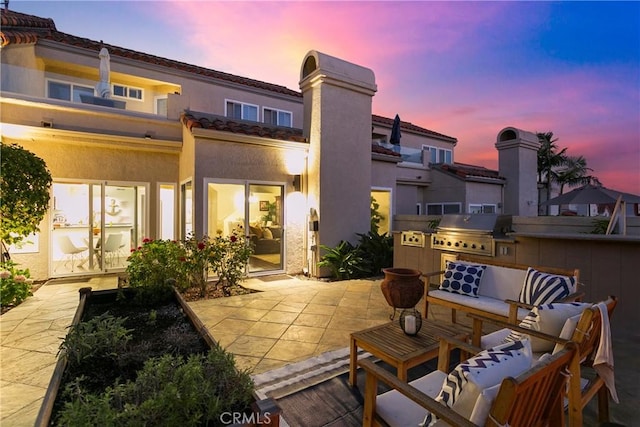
point(549, 158)
point(574, 172)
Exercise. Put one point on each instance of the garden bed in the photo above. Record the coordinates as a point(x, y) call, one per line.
point(169, 328)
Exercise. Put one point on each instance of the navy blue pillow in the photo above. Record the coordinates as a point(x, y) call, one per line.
point(463, 279)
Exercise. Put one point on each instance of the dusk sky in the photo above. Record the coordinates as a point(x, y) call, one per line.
point(464, 69)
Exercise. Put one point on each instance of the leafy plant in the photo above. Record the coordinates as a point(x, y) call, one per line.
point(154, 267)
point(24, 192)
point(229, 263)
point(102, 336)
point(376, 251)
point(600, 226)
point(344, 260)
point(15, 285)
point(376, 216)
point(168, 391)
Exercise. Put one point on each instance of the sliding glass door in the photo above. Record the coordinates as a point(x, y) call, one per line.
point(95, 226)
point(254, 209)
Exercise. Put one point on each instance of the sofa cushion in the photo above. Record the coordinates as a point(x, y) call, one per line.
point(257, 231)
point(540, 288)
point(462, 278)
point(502, 282)
point(276, 232)
point(548, 319)
point(465, 383)
point(483, 303)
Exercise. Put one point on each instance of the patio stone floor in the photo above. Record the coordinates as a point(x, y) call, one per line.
point(288, 321)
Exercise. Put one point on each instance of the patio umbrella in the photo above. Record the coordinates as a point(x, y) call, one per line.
point(395, 131)
point(103, 88)
point(592, 195)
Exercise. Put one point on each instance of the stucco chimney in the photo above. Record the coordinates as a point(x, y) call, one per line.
point(518, 163)
point(337, 99)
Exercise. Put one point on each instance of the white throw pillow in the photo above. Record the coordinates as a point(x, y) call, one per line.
point(267, 234)
point(463, 279)
point(541, 288)
point(548, 319)
point(467, 381)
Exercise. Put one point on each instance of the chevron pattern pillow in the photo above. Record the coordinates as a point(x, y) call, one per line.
point(465, 383)
point(541, 288)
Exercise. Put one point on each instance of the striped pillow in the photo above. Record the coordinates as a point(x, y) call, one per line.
point(541, 288)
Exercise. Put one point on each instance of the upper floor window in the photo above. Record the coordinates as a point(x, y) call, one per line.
point(241, 111)
point(443, 208)
point(67, 91)
point(439, 155)
point(477, 208)
point(161, 105)
point(276, 117)
point(128, 92)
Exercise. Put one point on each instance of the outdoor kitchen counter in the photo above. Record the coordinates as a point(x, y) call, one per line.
point(578, 236)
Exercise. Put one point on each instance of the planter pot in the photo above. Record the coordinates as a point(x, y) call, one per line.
point(265, 411)
point(402, 287)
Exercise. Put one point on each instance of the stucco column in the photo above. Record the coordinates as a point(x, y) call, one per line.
point(337, 99)
point(518, 163)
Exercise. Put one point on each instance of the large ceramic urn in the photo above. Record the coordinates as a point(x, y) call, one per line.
point(402, 287)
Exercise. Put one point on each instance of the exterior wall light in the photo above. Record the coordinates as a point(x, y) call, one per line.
point(297, 183)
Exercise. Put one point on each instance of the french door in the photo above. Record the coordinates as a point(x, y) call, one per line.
point(95, 226)
point(256, 211)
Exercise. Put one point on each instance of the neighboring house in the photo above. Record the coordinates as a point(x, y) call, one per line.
point(180, 149)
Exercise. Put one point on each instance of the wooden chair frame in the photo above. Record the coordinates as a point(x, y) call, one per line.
point(532, 399)
point(586, 338)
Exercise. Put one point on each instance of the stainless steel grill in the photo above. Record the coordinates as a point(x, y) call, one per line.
point(470, 233)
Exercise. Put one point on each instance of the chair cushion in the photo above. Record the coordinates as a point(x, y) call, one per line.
point(548, 319)
point(463, 279)
point(465, 383)
point(567, 330)
point(399, 411)
point(540, 288)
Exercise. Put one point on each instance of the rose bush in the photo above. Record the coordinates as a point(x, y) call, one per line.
point(15, 284)
point(188, 264)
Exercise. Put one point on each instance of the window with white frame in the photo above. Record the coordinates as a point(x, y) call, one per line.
point(480, 208)
point(276, 117)
point(443, 208)
point(438, 155)
point(241, 111)
point(161, 105)
point(67, 91)
point(128, 92)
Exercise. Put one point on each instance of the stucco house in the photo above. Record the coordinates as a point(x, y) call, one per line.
point(175, 149)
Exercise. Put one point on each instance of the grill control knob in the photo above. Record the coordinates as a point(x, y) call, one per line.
point(448, 243)
point(473, 246)
point(457, 244)
point(482, 247)
point(464, 245)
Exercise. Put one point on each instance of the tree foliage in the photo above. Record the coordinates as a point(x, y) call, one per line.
point(24, 192)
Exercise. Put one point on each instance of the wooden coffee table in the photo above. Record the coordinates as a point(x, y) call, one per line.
point(398, 349)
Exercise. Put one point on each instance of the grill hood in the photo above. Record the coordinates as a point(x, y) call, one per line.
point(493, 224)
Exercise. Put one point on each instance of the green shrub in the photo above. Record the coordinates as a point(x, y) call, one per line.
point(168, 391)
point(154, 268)
point(376, 251)
point(347, 261)
point(344, 261)
point(102, 336)
point(15, 285)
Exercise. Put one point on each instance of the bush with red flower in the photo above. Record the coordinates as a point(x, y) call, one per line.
point(157, 265)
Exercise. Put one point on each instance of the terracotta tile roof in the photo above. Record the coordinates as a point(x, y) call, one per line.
point(465, 171)
point(387, 122)
point(375, 148)
point(197, 120)
point(19, 28)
